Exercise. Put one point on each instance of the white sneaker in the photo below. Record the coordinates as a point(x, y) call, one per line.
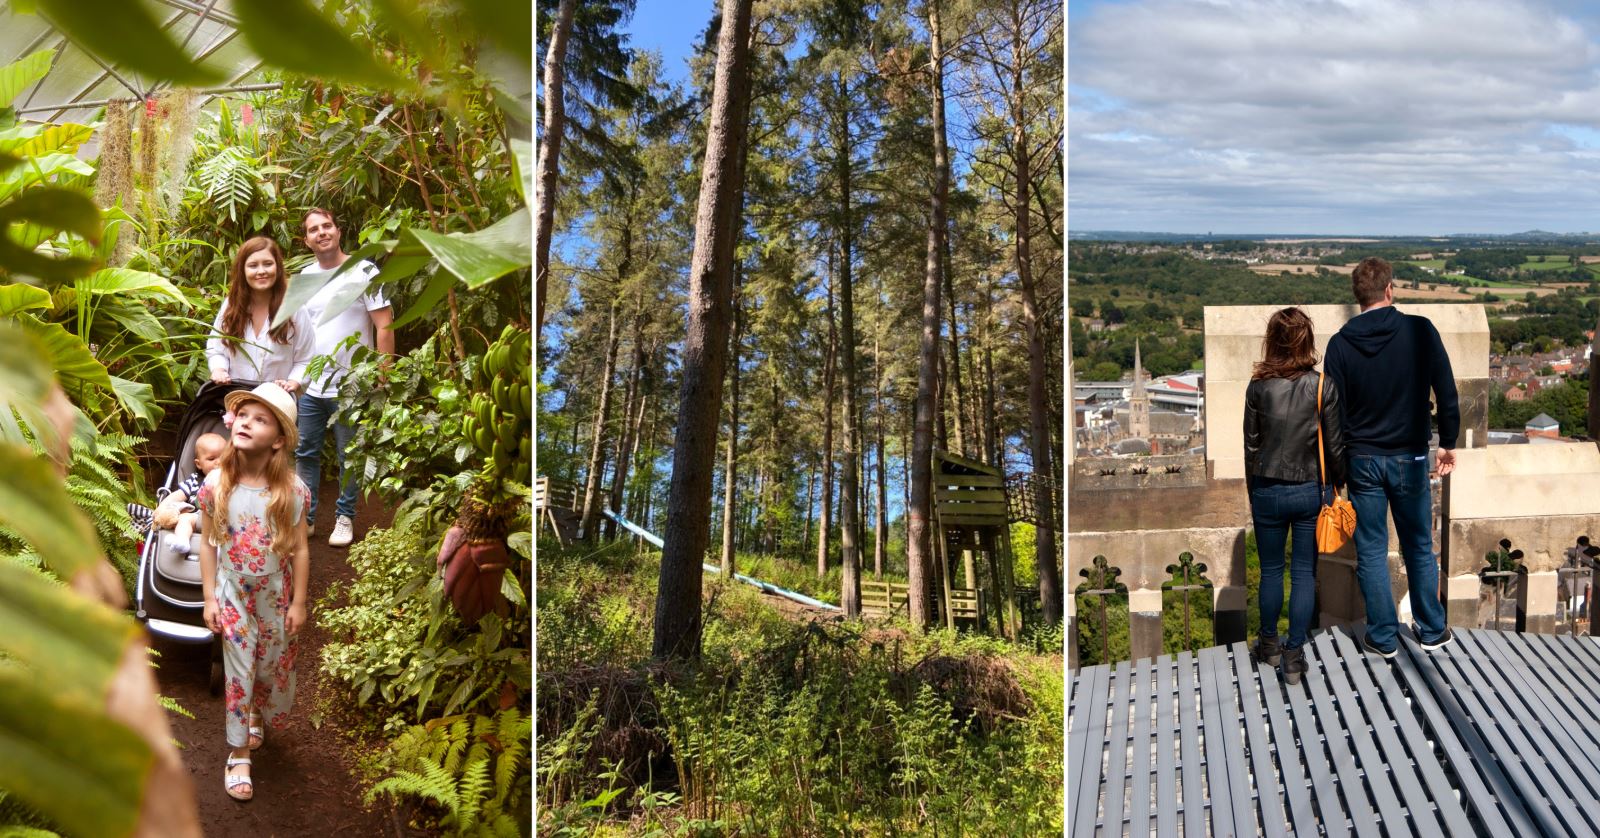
point(342, 527)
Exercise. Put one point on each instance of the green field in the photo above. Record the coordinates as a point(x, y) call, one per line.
point(1551, 263)
point(1436, 264)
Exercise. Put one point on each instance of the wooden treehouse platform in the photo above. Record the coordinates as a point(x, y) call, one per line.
point(1496, 734)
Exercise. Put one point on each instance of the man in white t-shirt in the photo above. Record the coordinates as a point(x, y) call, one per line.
point(369, 316)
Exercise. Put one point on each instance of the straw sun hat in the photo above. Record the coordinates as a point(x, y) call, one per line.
point(277, 400)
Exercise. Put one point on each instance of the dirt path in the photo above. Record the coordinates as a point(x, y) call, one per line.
point(306, 786)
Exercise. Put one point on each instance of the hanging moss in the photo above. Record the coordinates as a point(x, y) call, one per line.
point(149, 167)
point(179, 106)
point(114, 180)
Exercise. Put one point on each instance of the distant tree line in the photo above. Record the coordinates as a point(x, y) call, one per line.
point(1567, 403)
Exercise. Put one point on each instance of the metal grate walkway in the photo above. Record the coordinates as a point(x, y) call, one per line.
point(1496, 734)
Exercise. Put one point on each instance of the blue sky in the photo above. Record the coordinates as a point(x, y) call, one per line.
point(1334, 116)
point(671, 29)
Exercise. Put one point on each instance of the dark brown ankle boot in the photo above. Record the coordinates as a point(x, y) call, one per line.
point(1267, 651)
point(1293, 665)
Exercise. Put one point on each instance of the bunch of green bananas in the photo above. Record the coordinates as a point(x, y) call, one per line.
point(500, 414)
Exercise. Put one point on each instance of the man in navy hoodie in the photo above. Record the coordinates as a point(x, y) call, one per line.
point(1384, 364)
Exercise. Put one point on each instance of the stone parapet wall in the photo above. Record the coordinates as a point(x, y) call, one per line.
point(1107, 473)
point(1233, 337)
point(1143, 557)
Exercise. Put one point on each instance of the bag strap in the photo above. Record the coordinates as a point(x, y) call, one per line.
point(1322, 465)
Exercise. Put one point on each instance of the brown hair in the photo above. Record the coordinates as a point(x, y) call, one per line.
point(280, 492)
point(1369, 280)
point(1290, 349)
point(238, 314)
point(315, 211)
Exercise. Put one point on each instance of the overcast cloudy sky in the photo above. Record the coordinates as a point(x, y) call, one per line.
point(1392, 117)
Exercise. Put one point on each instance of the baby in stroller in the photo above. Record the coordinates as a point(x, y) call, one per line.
point(177, 511)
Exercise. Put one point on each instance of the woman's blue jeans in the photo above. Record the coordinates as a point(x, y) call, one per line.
point(1278, 508)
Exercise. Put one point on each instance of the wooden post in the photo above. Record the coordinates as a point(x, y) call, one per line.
point(944, 572)
point(1013, 619)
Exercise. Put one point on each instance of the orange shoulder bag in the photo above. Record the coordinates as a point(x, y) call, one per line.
point(1336, 523)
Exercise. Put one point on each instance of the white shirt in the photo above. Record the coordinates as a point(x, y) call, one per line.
point(354, 320)
point(259, 357)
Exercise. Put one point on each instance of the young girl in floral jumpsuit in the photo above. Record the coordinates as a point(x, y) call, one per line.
point(254, 566)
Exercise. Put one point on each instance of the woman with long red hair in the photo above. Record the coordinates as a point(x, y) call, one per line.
point(1284, 406)
point(244, 344)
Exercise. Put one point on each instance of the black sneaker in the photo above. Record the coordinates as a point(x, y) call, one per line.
point(1387, 654)
point(1268, 651)
point(1429, 647)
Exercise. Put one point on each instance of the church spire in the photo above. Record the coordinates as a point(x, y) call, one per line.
point(1138, 372)
point(1138, 400)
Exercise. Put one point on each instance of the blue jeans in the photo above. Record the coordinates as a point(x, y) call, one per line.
point(315, 412)
point(1278, 508)
point(1396, 485)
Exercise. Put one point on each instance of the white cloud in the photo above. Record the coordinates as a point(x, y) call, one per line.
point(1423, 117)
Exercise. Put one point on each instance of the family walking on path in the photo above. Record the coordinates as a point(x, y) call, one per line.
point(257, 501)
point(1362, 424)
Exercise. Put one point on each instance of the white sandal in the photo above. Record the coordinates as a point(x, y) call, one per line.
point(258, 731)
point(231, 781)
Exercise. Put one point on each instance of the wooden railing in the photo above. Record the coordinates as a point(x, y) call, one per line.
point(551, 493)
point(883, 599)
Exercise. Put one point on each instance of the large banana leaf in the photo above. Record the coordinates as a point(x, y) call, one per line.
point(18, 76)
point(131, 283)
point(15, 298)
point(522, 162)
point(138, 398)
point(129, 35)
point(58, 209)
point(24, 379)
point(293, 35)
point(484, 256)
point(67, 353)
point(63, 754)
point(32, 496)
point(43, 169)
point(37, 140)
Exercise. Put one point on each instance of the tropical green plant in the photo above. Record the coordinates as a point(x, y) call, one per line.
point(474, 767)
point(407, 417)
point(232, 180)
point(403, 647)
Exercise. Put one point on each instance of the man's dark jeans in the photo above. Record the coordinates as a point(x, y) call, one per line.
point(1277, 508)
point(1399, 485)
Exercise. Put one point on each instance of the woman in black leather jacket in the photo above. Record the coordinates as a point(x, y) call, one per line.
point(1282, 472)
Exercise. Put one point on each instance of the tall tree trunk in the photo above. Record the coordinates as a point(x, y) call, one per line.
point(952, 364)
point(730, 469)
point(619, 476)
point(635, 444)
point(1044, 557)
point(880, 542)
point(825, 517)
point(976, 429)
point(811, 485)
point(991, 418)
point(678, 608)
point(849, 501)
point(555, 124)
point(778, 482)
point(597, 450)
point(918, 508)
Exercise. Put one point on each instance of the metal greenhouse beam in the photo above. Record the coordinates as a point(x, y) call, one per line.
point(213, 92)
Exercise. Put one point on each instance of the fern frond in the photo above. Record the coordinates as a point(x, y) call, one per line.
point(474, 785)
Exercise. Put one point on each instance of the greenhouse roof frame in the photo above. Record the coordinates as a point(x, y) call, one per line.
point(79, 82)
